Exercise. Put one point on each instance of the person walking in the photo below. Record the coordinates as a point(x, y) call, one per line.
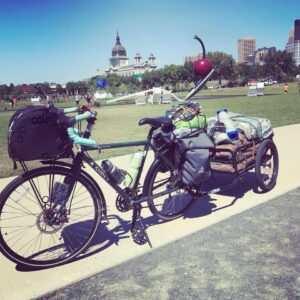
point(14, 102)
point(10, 100)
point(286, 88)
point(88, 98)
point(77, 98)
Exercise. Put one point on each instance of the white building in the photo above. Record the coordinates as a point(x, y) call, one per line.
point(119, 62)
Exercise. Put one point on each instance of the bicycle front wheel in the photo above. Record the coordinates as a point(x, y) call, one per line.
point(29, 235)
point(168, 206)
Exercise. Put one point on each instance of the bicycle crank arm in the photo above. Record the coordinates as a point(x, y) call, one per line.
point(138, 231)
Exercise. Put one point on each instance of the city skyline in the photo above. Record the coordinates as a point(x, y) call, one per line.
point(61, 41)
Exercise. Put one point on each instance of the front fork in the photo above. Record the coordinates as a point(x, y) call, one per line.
point(64, 192)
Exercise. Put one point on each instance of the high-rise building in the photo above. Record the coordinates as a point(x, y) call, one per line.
point(246, 47)
point(293, 44)
point(297, 30)
point(291, 36)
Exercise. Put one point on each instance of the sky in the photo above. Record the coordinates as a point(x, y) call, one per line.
point(69, 40)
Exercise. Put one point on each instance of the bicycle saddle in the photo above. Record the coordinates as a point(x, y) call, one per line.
point(164, 122)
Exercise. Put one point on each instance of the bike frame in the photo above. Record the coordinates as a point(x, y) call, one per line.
point(133, 198)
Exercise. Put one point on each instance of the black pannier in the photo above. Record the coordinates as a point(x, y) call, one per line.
point(164, 142)
point(192, 157)
point(34, 133)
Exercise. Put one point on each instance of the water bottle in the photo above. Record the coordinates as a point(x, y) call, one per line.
point(223, 116)
point(59, 192)
point(115, 173)
point(133, 170)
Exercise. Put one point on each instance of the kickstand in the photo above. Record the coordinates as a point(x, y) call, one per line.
point(138, 231)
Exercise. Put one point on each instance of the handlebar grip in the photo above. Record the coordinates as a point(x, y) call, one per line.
point(86, 115)
point(74, 136)
point(70, 110)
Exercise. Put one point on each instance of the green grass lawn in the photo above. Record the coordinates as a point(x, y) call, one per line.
point(119, 123)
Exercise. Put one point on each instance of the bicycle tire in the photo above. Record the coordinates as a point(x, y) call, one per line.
point(170, 206)
point(266, 165)
point(27, 238)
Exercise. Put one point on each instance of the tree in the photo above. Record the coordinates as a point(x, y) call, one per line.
point(187, 73)
point(223, 64)
point(171, 75)
point(246, 72)
point(280, 66)
point(4, 91)
point(153, 78)
point(243, 72)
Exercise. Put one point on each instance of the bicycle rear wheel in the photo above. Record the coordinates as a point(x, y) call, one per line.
point(29, 236)
point(169, 206)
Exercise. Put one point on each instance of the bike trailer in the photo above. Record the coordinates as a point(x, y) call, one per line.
point(234, 157)
point(34, 133)
point(252, 127)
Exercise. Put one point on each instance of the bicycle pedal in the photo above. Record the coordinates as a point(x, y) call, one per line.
point(140, 236)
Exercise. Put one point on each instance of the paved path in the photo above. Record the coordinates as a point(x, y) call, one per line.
point(253, 255)
point(115, 246)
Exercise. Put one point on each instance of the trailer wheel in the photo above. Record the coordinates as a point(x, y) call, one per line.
point(266, 165)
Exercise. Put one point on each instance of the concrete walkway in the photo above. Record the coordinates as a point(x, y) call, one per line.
point(115, 245)
point(253, 255)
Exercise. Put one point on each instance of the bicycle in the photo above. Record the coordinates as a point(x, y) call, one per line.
point(49, 215)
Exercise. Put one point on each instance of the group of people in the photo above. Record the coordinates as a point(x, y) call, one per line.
point(90, 99)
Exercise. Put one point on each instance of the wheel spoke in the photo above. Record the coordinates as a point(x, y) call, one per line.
point(168, 206)
point(31, 235)
point(266, 165)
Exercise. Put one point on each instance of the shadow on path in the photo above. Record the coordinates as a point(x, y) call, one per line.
point(205, 206)
point(105, 237)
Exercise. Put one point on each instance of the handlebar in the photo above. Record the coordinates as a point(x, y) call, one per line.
point(69, 122)
point(74, 133)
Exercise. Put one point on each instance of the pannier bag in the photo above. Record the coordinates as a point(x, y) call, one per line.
point(34, 133)
point(164, 142)
point(192, 158)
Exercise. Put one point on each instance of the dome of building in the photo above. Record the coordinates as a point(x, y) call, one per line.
point(118, 49)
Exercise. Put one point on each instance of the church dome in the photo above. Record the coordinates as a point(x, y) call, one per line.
point(118, 49)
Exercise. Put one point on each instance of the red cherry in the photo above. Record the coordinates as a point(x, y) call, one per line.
point(202, 67)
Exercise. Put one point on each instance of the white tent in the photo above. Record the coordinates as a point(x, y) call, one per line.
point(102, 95)
point(257, 89)
point(156, 95)
point(159, 95)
